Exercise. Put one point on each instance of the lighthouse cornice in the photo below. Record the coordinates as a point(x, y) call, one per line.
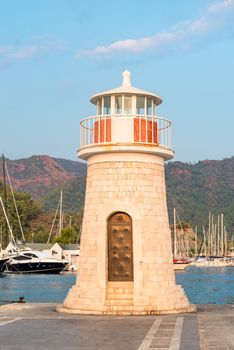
point(127, 151)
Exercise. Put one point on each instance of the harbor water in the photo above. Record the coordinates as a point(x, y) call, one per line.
point(208, 285)
point(202, 285)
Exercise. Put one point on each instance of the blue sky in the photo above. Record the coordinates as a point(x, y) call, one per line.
point(55, 54)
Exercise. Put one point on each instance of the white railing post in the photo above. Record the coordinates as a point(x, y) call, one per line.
point(152, 136)
point(146, 129)
point(85, 135)
point(162, 132)
point(91, 140)
point(81, 143)
point(105, 120)
point(140, 136)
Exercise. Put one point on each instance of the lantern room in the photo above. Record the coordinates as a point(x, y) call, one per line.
point(126, 100)
point(125, 116)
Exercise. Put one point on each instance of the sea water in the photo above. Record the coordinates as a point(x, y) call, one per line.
point(213, 285)
point(35, 288)
point(208, 285)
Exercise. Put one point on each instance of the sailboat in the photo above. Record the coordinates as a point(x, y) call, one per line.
point(24, 260)
point(214, 248)
point(3, 264)
point(179, 262)
point(60, 224)
point(3, 258)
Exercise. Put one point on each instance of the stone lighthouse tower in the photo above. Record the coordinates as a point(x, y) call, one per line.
point(126, 264)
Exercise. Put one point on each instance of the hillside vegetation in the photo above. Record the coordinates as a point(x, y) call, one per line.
point(197, 189)
point(38, 175)
point(193, 189)
point(73, 196)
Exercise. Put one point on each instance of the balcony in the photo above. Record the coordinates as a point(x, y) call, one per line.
point(125, 129)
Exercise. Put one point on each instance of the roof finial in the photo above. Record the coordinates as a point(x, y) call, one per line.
point(126, 78)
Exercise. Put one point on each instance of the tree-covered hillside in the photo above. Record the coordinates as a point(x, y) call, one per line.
point(197, 189)
point(27, 208)
point(73, 196)
point(194, 189)
point(38, 175)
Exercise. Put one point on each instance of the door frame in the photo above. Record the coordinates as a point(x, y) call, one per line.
point(109, 278)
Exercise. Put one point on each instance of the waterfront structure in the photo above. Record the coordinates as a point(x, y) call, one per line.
point(126, 264)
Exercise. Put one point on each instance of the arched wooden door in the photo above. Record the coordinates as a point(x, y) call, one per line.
point(120, 248)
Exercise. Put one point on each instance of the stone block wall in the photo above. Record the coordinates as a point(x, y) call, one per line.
point(137, 187)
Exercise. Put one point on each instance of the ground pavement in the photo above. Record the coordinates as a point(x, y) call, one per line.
point(39, 327)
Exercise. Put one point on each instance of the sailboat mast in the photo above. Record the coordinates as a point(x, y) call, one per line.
point(61, 214)
point(196, 241)
point(209, 243)
point(204, 241)
point(225, 242)
point(1, 238)
point(7, 221)
point(175, 238)
point(218, 238)
point(6, 238)
point(16, 208)
point(222, 236)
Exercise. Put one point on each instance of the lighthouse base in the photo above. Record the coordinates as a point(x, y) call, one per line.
point(121, 299)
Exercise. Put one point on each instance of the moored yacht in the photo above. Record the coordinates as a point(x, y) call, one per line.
point(3, 262)
point(213, 261)
point(181, 263)
point(35, 262)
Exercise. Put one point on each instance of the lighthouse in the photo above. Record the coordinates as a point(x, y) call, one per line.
point(126, 263)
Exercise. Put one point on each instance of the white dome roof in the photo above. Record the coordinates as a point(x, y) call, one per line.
point(126, 88)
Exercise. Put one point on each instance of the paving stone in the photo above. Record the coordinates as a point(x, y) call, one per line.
point(39, 327)
point(190, 336)
point(159, 343)
point(164, 333)
point(167, 326)
point(171, 319)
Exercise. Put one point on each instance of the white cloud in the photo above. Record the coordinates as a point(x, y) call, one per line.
point(37, 47)
point(130, 45)
point(221, 6)
point(180, 36)
point(4, 49)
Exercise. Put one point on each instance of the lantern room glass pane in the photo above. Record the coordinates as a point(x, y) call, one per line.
point(149, 106)
point(140, 105)
point(118, 104)
point(107, 105)
point(154, 108)
point(127, 104)
point(99, 106)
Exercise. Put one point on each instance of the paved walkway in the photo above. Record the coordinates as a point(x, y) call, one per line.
point(40, 327)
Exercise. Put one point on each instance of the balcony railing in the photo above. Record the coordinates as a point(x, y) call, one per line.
point(130, 129)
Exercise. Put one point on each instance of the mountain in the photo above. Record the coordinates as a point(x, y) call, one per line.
point(193, 189)
point(38, 175)
point(197, 189)
point(73, 196)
